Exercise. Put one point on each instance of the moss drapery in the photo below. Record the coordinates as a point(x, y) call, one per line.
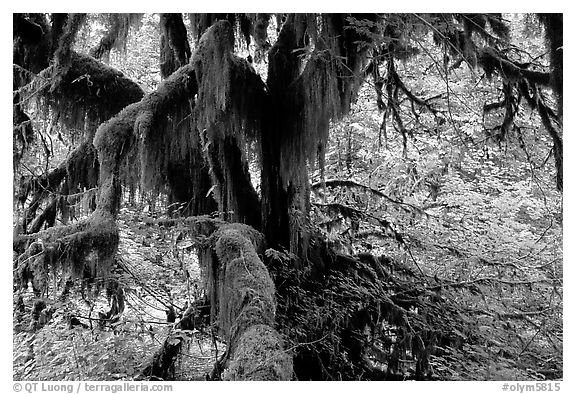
point(307, 92)
point(183, 165)
point(87, 248)
point(228, 114)
point(117, 34)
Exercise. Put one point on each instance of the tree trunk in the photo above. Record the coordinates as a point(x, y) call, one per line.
point(283, 189)
point(187, 171)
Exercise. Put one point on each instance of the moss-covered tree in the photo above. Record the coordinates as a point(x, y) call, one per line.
point(194, 137)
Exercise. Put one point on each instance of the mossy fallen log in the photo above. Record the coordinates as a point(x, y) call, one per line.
point(246, 307)
point(259, 355)
point(243, 302)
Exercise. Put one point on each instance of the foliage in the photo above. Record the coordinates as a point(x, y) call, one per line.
point(59, 353)
point(463, 207)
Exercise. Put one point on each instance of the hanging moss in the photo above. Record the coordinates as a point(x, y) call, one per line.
point(22, 132)
point(228, 113)
point(117, 34)
point(135, 125)
point(86, 249)
point(31, 46)
point(325, 89)
point(260, 24)
point(65, 42)
point(211, 62)
point(302, 105)
point(87, 92)
point(229, 90)
point(82, 167)
point(78, 172)
point(176, 150)
point(174, 47)
point(493, 61)
point(318, 101)
point(83, 250)
point(171, 140)
point(80, 92)
point(167, 137)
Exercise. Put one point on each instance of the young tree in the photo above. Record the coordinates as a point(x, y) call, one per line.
point(194, 136)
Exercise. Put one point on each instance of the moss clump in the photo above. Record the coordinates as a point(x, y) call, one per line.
point(85, 93)
point(98, 87)
point(259, 355)
point(235, 241)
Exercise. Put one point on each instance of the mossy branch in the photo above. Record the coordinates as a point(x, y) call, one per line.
point(492, 61)
point(79, 171)
point(85, 92)
point(82, 250)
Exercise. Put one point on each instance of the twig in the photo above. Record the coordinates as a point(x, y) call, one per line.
point(306, 343)
point(351, 183)
point(479, 280)
point(424, 276)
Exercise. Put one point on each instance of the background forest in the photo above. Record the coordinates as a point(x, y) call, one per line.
point(287, 196)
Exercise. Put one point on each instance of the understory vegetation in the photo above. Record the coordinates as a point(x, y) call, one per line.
point(291, 196)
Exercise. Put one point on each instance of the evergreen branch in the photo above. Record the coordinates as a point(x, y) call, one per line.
point(354, 213)
point(353, 184)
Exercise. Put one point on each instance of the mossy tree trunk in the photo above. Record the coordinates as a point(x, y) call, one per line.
point(187, 173)
point(228, 117)
point(307, 91)
point(280, 122)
